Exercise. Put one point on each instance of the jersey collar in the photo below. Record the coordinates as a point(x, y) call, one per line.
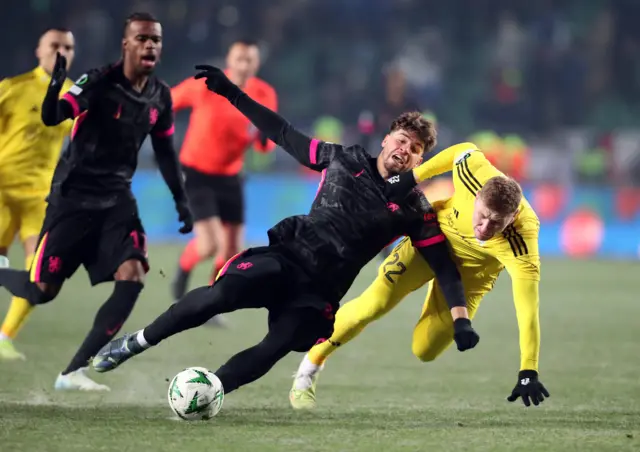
point(41, 74)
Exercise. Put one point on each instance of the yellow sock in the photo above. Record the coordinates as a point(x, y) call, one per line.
point(351, 319)
point(18, 312)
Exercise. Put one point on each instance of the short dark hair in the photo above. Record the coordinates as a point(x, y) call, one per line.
point(501, 194)
point(415, 122)
point(58, 29)
point(138, 17)
point(245, 42)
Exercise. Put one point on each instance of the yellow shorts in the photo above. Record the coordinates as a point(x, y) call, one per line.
point(403, 272)
point(20, 215)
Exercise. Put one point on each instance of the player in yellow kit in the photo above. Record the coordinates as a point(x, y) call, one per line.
point(490, 226)
point(29, 152)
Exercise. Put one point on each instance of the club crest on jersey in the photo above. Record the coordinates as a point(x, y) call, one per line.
point(153, 116)
point(394, 179)
point(393, 207)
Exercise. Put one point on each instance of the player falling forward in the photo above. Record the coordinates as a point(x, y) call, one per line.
point(490, 226)
point(29, 152)
point(212, 156)
point(92, 218)
point(311, 260)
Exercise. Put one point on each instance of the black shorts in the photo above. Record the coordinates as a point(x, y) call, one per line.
point(270, 280)
point(213, 196)
point(100, 240)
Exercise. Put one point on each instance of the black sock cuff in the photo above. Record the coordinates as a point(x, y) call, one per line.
point(128, 288)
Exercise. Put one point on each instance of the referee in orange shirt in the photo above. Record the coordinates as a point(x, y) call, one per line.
point(212, 157)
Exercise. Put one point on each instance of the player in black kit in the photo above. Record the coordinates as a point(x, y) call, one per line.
point(92, 217)
point(313, 259)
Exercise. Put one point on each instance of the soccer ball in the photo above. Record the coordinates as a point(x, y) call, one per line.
point(196, 394)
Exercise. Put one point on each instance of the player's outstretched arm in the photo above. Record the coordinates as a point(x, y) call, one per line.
point(271, 124)
point(167, 159)
point(520, 256)
point(55, 111)
point(399, 187)
point(439, 259)
point(428, 239)
point(526, 300)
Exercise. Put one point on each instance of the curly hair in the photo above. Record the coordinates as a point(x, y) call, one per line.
point(413, 122)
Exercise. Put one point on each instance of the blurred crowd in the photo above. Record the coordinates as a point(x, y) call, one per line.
point(544, 79)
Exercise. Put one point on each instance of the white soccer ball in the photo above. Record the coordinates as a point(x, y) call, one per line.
point(195, 394)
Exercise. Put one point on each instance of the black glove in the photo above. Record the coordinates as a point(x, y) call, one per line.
point(218, 82)
point(465, 336)
point(184, 216)
point(529, 388)
point(59, 74)
point(399, 186)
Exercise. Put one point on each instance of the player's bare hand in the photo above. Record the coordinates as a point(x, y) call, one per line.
point(529, 388)
point(185, 217)
point(465, 336)
point(217, 81)
point(59, 74)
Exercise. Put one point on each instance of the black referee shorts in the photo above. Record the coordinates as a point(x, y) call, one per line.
point(212, 196)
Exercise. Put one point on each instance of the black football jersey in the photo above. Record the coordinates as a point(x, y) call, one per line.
point(112, 121)
point(351, 219)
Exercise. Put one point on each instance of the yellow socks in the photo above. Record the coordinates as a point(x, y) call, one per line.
point(18, 312)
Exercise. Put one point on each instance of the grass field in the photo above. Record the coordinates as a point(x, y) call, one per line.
point(373, 396)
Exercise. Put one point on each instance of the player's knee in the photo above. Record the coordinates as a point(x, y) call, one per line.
point(44, 293)
point(206, 248)
point(425, 352)
point(131, 270)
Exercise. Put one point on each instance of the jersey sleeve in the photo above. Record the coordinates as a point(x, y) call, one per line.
point(320, 154)
point(423, 227)
point(262, 144)
point(443, 162)
point(84, 90)
point(165, 127)
point(518, 252)
point(67, 125)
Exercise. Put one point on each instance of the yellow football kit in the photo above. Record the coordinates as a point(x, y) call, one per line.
point(479, 263)
point(29, 152)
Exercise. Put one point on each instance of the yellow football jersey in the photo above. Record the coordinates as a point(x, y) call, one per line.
point(29, 150)
point(517, 247)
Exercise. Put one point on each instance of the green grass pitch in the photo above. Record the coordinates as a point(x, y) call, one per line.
point(374, 395)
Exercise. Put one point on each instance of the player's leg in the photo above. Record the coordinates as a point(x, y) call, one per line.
point(433, 333)
point(56, 258)
point(291, 330)
point(8, 230)
point(207, 228)
point(202, 246)
point(250, 280)
point(120, 256)
point(30, 213)
point(230, 201)
point(403, 272)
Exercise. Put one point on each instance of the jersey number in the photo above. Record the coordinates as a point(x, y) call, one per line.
point(394, 268)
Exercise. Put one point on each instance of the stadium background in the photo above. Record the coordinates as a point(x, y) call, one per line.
point(549, 89)
point(557, 81)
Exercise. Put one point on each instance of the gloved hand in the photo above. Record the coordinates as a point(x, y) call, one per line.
point(465, 336)
point(399, 186)
point(529, 388)
point(59, 74)
point(217, 81)
point(184, 216)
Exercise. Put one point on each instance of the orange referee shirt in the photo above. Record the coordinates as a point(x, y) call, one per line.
point(218, 134)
